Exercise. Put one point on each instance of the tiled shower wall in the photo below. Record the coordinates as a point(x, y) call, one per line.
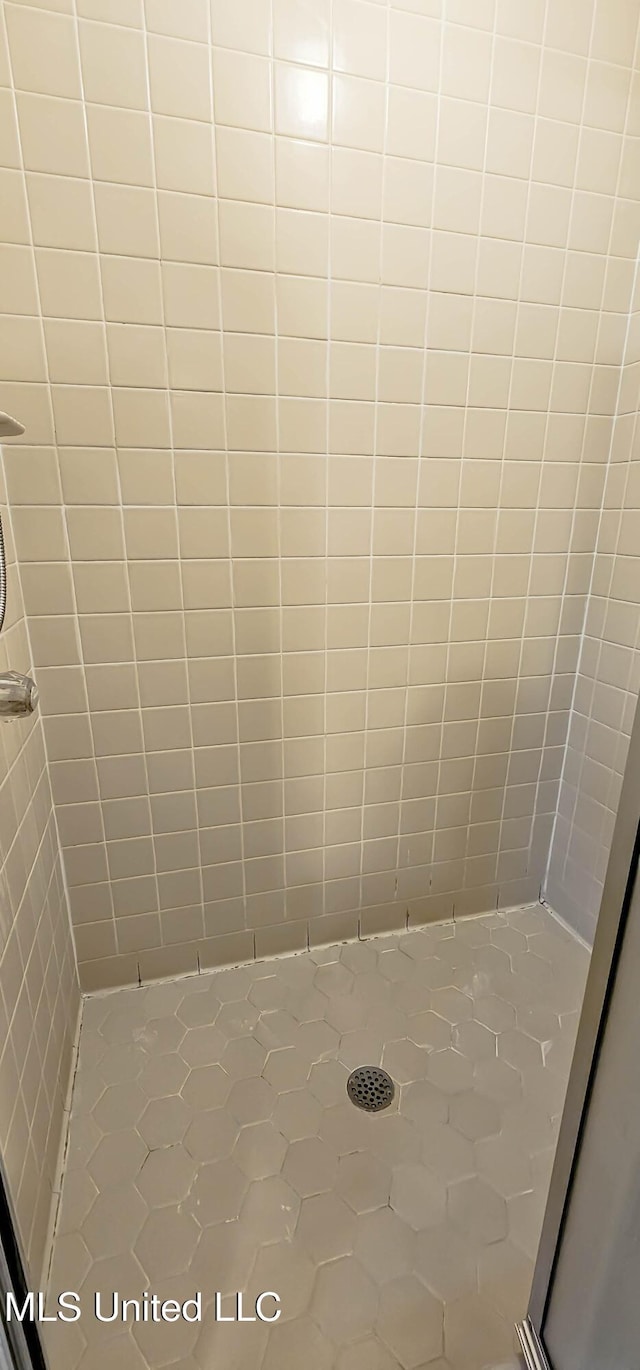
point(608, 677)
point(315, 318)
point(39, 997)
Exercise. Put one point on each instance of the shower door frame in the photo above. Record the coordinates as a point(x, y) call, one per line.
point(621, 883)
point(20, 1344)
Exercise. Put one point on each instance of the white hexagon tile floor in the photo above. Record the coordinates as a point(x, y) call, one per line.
point(213, 1147)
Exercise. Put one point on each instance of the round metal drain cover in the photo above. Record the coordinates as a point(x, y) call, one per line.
point(370, 1088)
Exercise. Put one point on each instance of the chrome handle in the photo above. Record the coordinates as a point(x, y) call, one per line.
point(18, 695)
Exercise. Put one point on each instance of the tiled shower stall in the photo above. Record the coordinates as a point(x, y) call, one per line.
point(323, 543)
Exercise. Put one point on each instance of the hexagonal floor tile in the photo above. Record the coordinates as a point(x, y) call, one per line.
point(447, 1153)
point(217, 1192)
point(114, 1221)
point(276, 1029)
point(475, 1334)
point(85, 1132)
point(252, 1100)
point(286, 1269)
point(297, 1115)
point(429, 1029)
point(360, 1048)
point(503, 1161)
point(308, 1005)
point(394, 965)
point(504, 1278)
point(117, 1159)
point(359, 956)
point(164, 1121)
point(435, 973)
point(198, 1010)
point(206, 1087)
point(474, 1040)
point(121, 1063)
point(364, 1181)
point(119, 1106)
point(310, 1166)
point(332, 979)
point(474, 1116)
point(243, 1058)
point(163, 1075)
point(121, 1351)
point(162, 998)
point(224, 1256)
point(232, 984)
point(498, 1080)
point(293, 1344)
point(494, 1012)
point(405, 1061)
point(78, 1193)
point(384, 1245)
point(475, 1208)
point(326, 1227)
point(473, 932)
point(167, 1242)
point(423, 1104)
point(166, 1343)
point(520, 1050)
point(72, 1261)
point(287, 1068)
point(346, 1013)
point(509, 940)
point(344, 1127)
point(160, 1035)
point(446, 1261)
point(410, 1321)
point(452, 1004)
point(212, 1135)
point(417, 1196)
point(393, 1138)
point(259, 1150)
point(66, 1346)
point(122, 1273)
point(166, 1176)
point(493, 962)
point(368, 1354)
point(526, 1212)
point(269, 993)
point(237, 1019)
point(391, 1018)
point(328, 1082)
point(270, 1210)
point(123, 1018)
point(229, 1345)
point(449, 1071)
point(202, 1046)
point(537, 1021)
point(412, 997)
point(345, 1300)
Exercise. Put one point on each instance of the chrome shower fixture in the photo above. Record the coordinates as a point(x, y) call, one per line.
point(18, 693)
point(9, 428)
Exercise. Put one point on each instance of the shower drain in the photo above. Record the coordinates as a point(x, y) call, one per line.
point(370, 1088)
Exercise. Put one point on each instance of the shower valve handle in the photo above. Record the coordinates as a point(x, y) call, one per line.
point(18, 694)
